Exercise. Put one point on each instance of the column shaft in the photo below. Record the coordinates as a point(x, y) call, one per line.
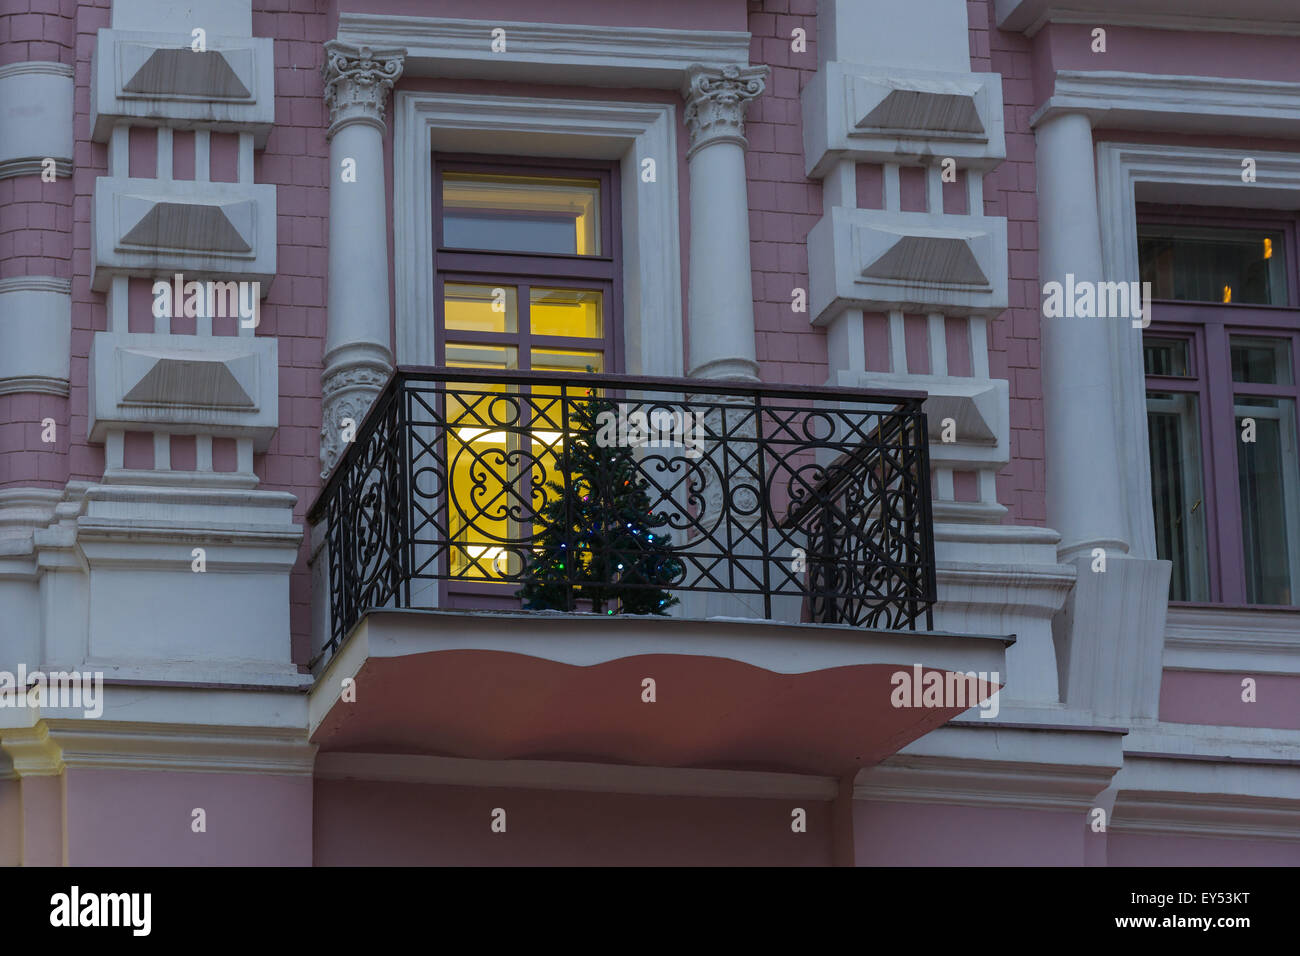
point(1083, 471)
point(720, 296)
point(358, 358)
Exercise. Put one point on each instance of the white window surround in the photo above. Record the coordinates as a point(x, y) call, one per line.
point(1159, 173)
point(427, 122)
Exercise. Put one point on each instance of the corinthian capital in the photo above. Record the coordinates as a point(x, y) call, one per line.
point(357, 81)
point(716, 99)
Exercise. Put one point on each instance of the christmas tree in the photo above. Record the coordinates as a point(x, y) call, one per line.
point(598, 532)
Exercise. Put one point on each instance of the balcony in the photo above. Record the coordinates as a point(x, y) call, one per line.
point(805, 505)
point(763, 555)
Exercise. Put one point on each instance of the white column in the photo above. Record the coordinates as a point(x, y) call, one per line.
point(1083, 475)
point(357, 354)
point(720, 297)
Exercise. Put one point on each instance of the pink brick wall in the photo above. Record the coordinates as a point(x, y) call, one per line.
point(35, 227)
point(295, 161)
point(783, 204)
point(35, 240)
point(37, 30)
point(1011, 191)
point(89, 309)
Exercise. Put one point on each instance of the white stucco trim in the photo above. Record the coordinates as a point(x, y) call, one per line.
point(572, 776)
point(35, 334)
point(983, 765)
point(29, 747)
point(1207, 781)
point(184, 748)
point(1165, 173)
point(1181, 795)
point(1276, 17)
point(1238, 640)
point(586, 54)
point(582, 129)
point(35, 118)
point(1149, 101)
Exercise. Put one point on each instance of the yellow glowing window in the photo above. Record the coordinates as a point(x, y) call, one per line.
point(482, 356)
point(574, 313)
point(481, 308)
point(566, 360)
point(537, 214)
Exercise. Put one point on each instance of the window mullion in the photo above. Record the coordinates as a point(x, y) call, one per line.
point(1223, 462)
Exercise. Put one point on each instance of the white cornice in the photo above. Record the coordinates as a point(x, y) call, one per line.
point(40, 384)
point(25, 509)
point(115, 745)
point(984, 783)
point(561, 775)
point(39, 67)
point(1183, 795)
point(32, 751)
point(1207, 742)
point(1232, 639)
point(1276, 17)
point(36, 284)
point(546, 52)
point(985, 764)
point(1151, 101)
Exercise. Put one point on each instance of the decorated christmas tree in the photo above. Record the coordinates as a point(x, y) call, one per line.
point(598, 532)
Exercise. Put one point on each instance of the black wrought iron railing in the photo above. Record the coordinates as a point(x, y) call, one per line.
point(481, 481)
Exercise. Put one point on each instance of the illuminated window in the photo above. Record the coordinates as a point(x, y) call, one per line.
point(529, 278)
point(532, 214)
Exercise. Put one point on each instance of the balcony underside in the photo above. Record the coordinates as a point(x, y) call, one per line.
point(730, 694)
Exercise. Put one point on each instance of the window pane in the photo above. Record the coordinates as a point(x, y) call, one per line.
point(482, 442)
point(480, 308)
point(1206, 264)
point(482, 356)
point(521, 214)
point(1174, 432)
point(1260, 360)
point(573, 312)
point(567, 360)
point(1165, 357)
point(1269, 478)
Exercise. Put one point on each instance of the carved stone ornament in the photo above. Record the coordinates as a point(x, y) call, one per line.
point(716, 99)
point(358, 80)
point(347, 393)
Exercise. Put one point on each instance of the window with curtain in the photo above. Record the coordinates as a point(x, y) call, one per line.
point(528, 278)
point(1220, 359)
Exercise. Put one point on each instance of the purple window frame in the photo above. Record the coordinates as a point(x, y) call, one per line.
point(523, 270)
point(1207, 327)
point(601, 273)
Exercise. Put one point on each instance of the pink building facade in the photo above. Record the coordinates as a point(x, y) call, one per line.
point(977, 324)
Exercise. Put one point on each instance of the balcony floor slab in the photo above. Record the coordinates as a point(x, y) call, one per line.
point(729, 694)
